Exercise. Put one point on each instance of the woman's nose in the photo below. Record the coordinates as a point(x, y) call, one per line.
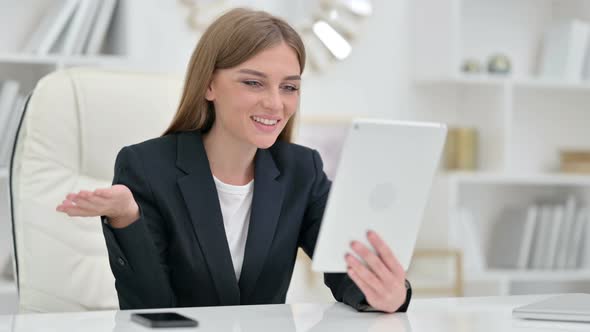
point(273, 101)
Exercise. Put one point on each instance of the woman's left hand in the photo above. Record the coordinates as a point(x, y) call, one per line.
point(382, 280)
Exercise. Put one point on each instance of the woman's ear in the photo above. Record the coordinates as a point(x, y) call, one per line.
point(209, 95)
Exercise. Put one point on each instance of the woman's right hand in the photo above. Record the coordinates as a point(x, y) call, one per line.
point(116, 203)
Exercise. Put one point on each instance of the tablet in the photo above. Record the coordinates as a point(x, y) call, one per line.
point(568, 307)
point(382, 183)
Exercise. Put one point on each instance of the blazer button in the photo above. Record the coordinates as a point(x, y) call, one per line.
point(121, 261)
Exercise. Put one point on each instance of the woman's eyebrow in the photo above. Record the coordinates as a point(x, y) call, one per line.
point(263, 75)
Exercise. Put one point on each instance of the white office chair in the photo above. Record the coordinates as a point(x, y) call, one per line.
point(74, 124)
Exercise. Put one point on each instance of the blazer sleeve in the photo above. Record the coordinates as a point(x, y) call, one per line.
point(342, 287)
point(137, 253)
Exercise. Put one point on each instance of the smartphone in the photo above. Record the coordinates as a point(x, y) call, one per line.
point(163, 319)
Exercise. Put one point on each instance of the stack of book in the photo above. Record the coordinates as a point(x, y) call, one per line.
point(547, 235)
point(566, 51)
point(72, 27)
point(11, 107)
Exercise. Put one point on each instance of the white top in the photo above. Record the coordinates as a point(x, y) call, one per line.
point(481, 314)
point(236, 204)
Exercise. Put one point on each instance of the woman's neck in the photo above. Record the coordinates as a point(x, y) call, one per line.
point(231, 160)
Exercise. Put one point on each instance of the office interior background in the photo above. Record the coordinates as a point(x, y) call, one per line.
point(507, 211)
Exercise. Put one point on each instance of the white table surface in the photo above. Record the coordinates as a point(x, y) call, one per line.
point(451, 314)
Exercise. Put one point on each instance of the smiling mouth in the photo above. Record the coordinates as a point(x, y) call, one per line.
point(265, 122)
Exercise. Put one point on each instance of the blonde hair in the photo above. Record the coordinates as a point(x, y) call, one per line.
point(232, 39)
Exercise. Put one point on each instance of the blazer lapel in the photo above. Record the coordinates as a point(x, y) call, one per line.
point(200, 196)
point(266, 208)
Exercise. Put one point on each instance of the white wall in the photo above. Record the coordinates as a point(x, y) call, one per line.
point(374, 80)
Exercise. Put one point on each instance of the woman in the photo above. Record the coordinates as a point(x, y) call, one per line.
point(212, 212)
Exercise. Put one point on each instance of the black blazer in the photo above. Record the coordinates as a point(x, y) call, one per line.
point(176, 254)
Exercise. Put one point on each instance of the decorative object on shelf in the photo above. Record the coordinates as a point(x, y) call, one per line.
point(575, 161)
point(523, 124)
point(327, 32)
point(461, 149)
point(499, 64)
point(471, 66)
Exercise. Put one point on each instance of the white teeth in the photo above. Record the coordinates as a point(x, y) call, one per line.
point(265, 121)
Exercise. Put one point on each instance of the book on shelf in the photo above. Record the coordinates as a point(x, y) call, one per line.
point(577, 239)
point(556, 223)
point(584, 249)
point(527, 237)
point(101, 26)
point(541, 237)
point(550, 234)
point(79, 28)
point(8, 100)
point(564, 51)
point(72, 27)
point(9, 136)
point(565, 233)
point(52, 25)
point(507, 234)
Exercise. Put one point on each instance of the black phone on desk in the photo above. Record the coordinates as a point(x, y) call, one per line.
point(163, 319)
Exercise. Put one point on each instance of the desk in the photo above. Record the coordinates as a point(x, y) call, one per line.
point(428, 315)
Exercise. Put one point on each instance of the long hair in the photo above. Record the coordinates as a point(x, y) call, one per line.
point(232, 39)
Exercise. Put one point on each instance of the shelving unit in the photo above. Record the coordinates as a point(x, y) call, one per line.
point(535, 275)
point(552, 179)
point(499, 82)
point(522, 123)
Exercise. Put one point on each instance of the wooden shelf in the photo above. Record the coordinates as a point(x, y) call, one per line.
point(537, 83)
point(530, 275)
point(475, 79)
point(528, 179)
point(500, 81)
point(54, 59)
point(93, 59)
point(24, 58)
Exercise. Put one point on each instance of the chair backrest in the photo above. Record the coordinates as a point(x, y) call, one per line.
point(73, 126)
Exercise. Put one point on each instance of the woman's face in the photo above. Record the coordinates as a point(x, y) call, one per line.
point(254, 100)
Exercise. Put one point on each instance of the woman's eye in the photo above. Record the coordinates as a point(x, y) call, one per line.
point(252, 83)
point(290, 88)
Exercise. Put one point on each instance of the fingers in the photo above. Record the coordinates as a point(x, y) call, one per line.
point(381, 279)
point(374, 262)
point(72, 210)
point(85, 204)
point(367, 290)
point(385, 253)
point(363, 273)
